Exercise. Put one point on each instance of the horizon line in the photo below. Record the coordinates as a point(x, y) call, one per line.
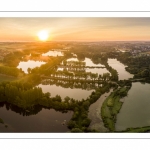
point(73, 41)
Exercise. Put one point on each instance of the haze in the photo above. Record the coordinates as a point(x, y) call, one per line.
point(75, 29)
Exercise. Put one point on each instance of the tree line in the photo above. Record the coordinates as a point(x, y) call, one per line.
point(11, 71)
point(25, 96)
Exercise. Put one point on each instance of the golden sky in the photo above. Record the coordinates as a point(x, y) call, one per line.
point(75, 29)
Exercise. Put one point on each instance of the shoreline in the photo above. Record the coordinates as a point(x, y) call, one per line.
point(95, 114)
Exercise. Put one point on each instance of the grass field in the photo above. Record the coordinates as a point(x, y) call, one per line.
point(111, 107)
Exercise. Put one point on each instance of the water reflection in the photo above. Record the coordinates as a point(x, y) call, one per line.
point(37, 120)
point(83, 70)
point(72, 84)
point(76, 91)
point(72, 59)
point(32, 111)
point(135, 110)
point(87, 61)
point(117, 65)
point(71, 69)
point(74, 55)
point(97, 70)
point(24, 65)
point(53, 53)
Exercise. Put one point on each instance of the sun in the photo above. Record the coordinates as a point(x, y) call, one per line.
point(43, 35)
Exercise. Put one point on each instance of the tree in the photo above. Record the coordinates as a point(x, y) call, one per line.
point(71, 124)
point(29, 70)
point(76, 130)
point(86, 122)
point(64, 62)
point(86, 104)
point(67, 98)
point(47, 94)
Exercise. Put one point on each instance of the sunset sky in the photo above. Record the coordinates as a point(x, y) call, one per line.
point(75, 29)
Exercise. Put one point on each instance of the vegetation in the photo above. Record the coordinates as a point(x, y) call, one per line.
point(23, 94)
point(137, 130)
point(11, 71)
point(80, 118)
point(7, 78)
point(71, 84)
point(112, 106)
point(1, 121)
point(139, 66)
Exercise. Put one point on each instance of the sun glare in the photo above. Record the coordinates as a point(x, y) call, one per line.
point(43, 35)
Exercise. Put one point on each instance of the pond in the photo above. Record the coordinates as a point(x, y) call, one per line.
point(53, 53)
point(135, 111)
point(92, 70)
point(95, 114)
point(72, 59)
point(75, 55)
point(117, 65)
point(47, 120)
point(77, 94)
point(24, 65)
point(87, 61)
point(97, 70)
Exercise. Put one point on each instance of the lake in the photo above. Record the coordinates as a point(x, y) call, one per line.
point(53, 53)
point(97, 70)
point(88, 62)
point(117, 65)
point(47, 120)
point(135, 111)
point(77, 94)
point(92, 70)
point(24, 65)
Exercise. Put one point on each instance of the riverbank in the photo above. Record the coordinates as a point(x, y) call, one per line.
point(112, 106)
point(95, 114)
